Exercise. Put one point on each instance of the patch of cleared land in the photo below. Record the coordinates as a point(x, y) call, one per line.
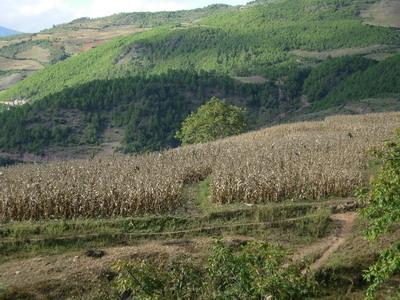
point(384, 13)
point(35, 53)
point(10, 80)
point(3, 43)
point(15, 64)
point(338, 52)
point(252, 79)
point(85, 38)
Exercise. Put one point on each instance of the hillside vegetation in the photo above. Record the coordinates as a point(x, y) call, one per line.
point(145, 84)
point(60, 42)
point(229, 42)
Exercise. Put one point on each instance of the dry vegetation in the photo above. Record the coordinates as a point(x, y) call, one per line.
point(322, 55)
point(14, 64)
point(301, 161)
point(383, 13)
point(35, 53)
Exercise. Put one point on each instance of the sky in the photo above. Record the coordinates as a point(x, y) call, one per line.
point(35, 15)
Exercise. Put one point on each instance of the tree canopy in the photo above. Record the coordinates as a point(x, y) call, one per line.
point(213, 120)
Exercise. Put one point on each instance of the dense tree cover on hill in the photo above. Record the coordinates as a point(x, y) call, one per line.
point(253, 40)
point(381, 79)
point(148, 83)
point(150, 109)
point(325, 78)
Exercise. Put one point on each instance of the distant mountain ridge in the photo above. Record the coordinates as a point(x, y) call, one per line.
point(7, 32)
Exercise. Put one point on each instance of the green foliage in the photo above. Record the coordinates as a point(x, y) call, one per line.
point(382, 211)
point(255, 272)
point(379, 80)
point(326, 76)
point(226, 41)
point(144, 19)
point(150, 110)
point(128, 81)
point(213, 120)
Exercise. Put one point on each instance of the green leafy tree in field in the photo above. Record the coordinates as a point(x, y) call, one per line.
point(382, 211)
point(213, 120)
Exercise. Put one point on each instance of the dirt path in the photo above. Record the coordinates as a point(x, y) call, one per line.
point(41, 270)
point(330, 244)
point(34, 271)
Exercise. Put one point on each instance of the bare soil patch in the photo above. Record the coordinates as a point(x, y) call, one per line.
point(338, 52)
point(384, 13)
point(14, 64)
point(10, 80)
point(252, 79)
point(330, 244)
point(36, 53)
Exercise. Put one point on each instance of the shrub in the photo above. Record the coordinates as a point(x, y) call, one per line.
point(382, 210)
point(213, 120)
point(258, 270)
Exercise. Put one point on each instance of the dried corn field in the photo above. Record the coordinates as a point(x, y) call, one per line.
point(308, 160)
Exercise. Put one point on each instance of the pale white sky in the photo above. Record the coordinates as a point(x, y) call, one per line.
point(34, 15)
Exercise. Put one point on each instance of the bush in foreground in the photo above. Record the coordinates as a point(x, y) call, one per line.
point(257, 271)
point(382, 211)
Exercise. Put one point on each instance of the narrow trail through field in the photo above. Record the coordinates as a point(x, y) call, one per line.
point(75, 265)
point(330, 244)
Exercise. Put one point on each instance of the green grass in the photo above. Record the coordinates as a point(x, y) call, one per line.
point(295, 222)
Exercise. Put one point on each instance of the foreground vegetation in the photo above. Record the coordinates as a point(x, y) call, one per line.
point(382, 210)
point(257, 271)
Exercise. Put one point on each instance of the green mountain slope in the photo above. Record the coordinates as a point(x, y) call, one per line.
point(254, 40)
point(145, 84)
point(22, 55)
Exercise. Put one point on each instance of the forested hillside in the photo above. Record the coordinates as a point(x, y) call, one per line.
point(254, 40)
point(307, 56)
